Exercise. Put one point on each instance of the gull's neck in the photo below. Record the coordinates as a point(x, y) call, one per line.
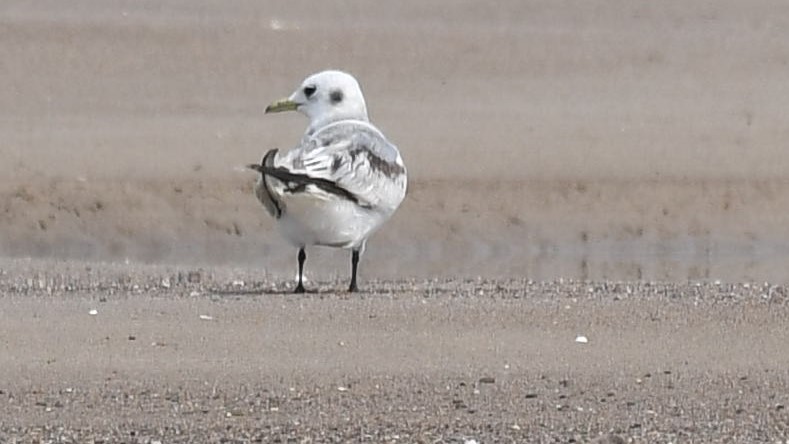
point(355, 112)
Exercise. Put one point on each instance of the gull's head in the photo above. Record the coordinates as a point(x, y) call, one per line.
point(325, 97)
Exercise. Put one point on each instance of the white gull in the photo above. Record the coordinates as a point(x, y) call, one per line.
point(341, 182)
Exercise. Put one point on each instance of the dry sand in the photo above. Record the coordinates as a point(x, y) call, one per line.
point(596, 141)
point(229, 357)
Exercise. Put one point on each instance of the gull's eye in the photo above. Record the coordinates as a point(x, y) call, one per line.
point(335, 96)
point(309, 91)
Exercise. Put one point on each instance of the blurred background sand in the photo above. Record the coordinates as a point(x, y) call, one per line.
point(544, 139)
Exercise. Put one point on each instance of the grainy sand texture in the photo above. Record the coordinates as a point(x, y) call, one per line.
point(143, 354)
point(615, 170)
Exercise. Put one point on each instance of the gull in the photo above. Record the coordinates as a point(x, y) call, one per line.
point(341, 182)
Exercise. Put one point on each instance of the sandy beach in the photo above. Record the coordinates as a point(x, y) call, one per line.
point(143, 354)
point(613, 170)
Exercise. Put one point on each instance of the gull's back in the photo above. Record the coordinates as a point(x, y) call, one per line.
point(358, 158)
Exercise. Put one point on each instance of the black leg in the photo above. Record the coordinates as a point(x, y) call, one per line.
point(302, 258)
point(354, 264)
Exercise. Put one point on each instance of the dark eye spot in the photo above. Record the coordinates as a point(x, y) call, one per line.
point(335, 96)
point(309, 91)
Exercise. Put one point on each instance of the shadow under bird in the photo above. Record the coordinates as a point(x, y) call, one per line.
point(341, 182)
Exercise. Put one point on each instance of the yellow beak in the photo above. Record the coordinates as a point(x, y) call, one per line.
point(282, 105)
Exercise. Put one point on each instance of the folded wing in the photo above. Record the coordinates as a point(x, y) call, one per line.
point(348, 159)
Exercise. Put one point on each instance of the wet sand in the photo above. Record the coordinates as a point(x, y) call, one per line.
point(606, 140)
point(615, 170)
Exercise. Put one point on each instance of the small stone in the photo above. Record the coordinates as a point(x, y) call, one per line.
point(487, 380)
point(194, 277)
point(609, 439)
point(93, 312)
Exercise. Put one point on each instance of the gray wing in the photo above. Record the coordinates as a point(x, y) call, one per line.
point(355, 156)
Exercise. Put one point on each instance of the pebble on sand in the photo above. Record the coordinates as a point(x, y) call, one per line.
point(609, 439)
